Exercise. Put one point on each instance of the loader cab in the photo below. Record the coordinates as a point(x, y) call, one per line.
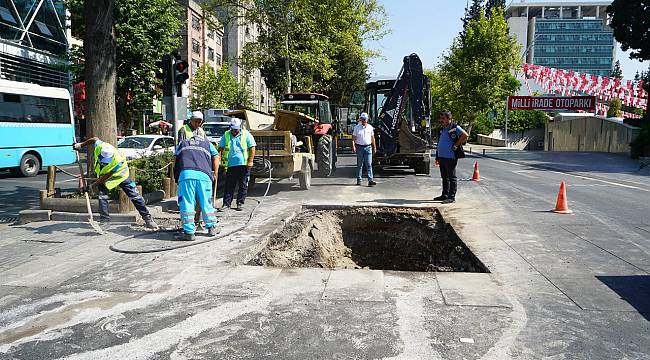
point(376, 93)
point(311, 104)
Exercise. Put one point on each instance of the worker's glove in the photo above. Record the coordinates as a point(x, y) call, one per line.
point(76, 146)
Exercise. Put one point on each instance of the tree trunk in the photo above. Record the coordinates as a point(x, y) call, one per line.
point(100, 69)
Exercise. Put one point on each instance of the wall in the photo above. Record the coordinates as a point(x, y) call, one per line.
point(589, 133)
point(532, 139)
point(491, 141)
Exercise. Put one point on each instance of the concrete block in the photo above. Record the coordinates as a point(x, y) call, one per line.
point(27, 216)
point(471, 289)
point(82, 217)
point(355, 285)
point(169, 205)
point(153, 197)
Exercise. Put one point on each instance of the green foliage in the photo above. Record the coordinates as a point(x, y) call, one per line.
point(148, 171)
point(308, 45)
point(640, 146)
point(521, 120)
point(631, 24)
point(482, 125)
point(617, 73)
point(213, 90)
point(474, 76)
point(491, 4)
point(615, 106)
point(145, 30)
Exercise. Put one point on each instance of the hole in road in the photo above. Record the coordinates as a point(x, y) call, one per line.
point(378, 238)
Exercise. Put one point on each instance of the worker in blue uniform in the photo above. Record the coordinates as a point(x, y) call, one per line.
point(195, 169)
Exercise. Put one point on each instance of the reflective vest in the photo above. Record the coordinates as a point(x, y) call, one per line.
point(117, 166)
point(187, 132)
point(193, 154)
point(242, 143)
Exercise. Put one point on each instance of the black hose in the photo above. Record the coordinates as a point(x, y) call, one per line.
point(265, 166)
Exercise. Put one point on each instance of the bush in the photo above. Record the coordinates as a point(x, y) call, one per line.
point(615, 106)
point(149, 171)
point(640, 146)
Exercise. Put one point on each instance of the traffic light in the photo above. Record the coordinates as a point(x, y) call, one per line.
point(180, 72)
point(165, 74)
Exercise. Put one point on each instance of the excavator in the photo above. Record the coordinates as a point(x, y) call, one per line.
point(400, 111)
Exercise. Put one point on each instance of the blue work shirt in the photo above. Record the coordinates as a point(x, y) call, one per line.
point(191, 174)
point(445, 142)
point(235, 153)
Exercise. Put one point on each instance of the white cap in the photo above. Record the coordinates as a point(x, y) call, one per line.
point(363, 116)
point(235, 123)
point(107, 151)
point(197, 115)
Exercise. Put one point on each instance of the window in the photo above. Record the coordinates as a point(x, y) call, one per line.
point(43, 28)
point(218, 39)
point(218, 59)
point(210, 53)
point(195, 66)
point(196, 22)
point(5, 15)
point(211, 34)
point(34, 109)
point(196, 47)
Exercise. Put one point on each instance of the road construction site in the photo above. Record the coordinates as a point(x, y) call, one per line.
point(494, 276)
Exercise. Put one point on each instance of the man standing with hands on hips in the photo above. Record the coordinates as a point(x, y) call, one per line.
point(363, 144)
point(450, 141)
point(237, 150)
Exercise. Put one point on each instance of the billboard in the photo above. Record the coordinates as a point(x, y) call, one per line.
point(574, 103)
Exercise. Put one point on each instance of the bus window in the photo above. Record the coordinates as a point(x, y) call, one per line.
point(11, 109)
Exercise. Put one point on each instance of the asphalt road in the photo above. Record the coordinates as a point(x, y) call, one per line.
point(18, 193)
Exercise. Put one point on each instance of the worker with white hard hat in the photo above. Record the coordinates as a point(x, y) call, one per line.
point(193, 127)
point(237, 150)
point(113, 171)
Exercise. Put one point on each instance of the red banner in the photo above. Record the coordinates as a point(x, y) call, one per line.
point(585, 103)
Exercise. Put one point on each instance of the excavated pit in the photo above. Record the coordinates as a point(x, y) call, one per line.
point(404, 239)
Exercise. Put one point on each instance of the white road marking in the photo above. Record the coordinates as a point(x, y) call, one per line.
point(525, 173)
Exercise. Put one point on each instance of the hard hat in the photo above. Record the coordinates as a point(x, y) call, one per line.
point(235, 123)
point(197, 115)
point(107, 151)
point(363, 116)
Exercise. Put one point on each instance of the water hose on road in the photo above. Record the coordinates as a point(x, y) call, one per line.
point(261, 166)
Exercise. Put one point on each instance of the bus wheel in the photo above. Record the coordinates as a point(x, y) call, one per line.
point(29, 165)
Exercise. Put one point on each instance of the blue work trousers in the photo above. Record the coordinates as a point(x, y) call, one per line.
point(129, 187)
point(188, 192)
point(364, 157)
point(236, 175)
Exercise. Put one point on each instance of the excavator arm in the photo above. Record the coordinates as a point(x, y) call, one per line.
point(411, 91)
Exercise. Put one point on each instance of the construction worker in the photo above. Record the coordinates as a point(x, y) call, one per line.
point(236, 151)
point(113, 171)
point(363, 144)
point(193, 127)
point(195, 169)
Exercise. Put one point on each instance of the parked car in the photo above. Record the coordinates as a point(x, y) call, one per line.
point(137, 146)
point(215, 130)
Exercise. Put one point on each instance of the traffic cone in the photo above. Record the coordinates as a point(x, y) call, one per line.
point(477, 175)
point(562, 206)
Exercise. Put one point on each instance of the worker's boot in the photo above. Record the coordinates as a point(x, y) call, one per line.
point(150, 224)
point(188, 237)
point(442, 197)
point(213, 231)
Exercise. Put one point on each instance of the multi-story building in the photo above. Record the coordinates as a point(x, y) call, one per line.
point(34, 40)
point(236, 36)
point(201, 40)
point(570, 35)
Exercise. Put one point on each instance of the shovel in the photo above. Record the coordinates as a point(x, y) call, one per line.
point(84, 188)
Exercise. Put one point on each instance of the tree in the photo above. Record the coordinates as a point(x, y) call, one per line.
point(100, 69)
point(305, 45)
point(473, 12)
point(145, 30)
point(521, 120)
point(615, 106)
point(212, 90)
point(617, 73)
point(474, 76)
point(490, 5)
point(631, 24)
point(637, 76)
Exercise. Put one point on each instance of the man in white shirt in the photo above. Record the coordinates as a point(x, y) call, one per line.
point(363, 144)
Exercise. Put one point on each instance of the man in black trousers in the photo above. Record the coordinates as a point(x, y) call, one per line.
point(450, 140)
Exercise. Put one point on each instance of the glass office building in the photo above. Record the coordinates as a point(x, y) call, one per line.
point(34, 41)
point(565, 35)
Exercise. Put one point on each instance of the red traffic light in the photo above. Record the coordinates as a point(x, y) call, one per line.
point(182, 66)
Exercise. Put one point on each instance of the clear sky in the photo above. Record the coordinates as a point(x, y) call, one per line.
point(427, 27)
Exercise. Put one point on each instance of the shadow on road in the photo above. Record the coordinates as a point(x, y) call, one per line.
point(635, 289)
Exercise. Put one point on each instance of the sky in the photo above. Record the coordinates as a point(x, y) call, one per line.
point(427, 27)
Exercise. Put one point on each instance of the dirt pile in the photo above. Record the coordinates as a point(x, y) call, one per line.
point(375, 238)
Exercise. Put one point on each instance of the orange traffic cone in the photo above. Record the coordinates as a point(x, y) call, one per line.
point(477, 175)
point(562, 206)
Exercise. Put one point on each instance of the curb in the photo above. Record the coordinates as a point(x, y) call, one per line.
point(27, 216)
point(83, 217)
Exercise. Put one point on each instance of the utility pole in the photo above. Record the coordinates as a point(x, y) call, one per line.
point(286, 63)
